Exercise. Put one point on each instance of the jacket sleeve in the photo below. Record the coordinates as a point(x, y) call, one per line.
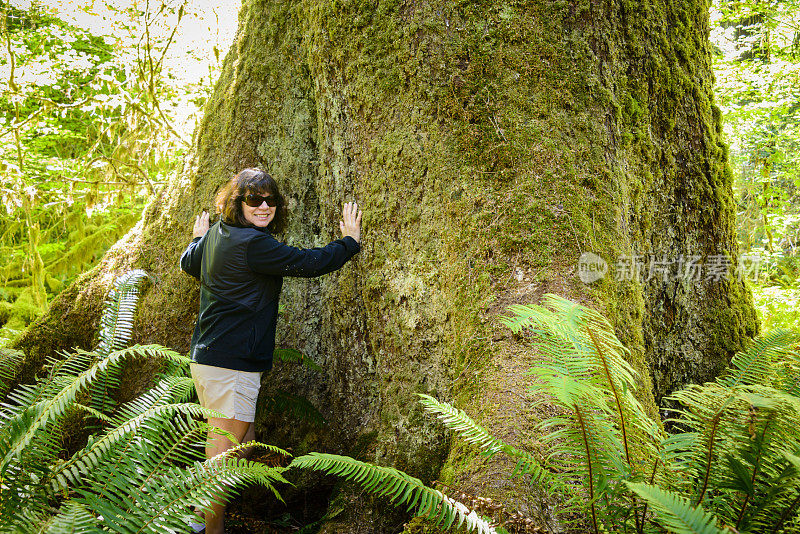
point(192, 257)
point(267, 255)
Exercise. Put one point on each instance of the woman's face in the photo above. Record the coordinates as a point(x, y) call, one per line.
point(261, 215)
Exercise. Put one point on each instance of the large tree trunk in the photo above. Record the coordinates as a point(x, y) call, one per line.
point(489, 145)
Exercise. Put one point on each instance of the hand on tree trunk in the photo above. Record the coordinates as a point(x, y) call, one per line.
point(200, 225)
point(350, 225)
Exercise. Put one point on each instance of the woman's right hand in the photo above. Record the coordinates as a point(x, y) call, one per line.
point(200, 225)
point(350, 225)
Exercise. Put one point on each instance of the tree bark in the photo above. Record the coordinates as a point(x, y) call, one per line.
point(490, 145)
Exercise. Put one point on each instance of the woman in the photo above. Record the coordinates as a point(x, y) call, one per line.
point(241, 267)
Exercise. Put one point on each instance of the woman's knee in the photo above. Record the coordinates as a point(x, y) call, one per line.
point(221, 441)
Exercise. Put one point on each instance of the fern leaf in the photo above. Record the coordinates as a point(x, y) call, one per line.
point(400, 488)
point(55, 406)
point(674, 512)
point(73, 518)
point(96, 452)
point(294, 355)
point(116, 323)
point(169, 390)
point(473, 433)
point(755, 364)
point(10, 362)
point(163, 503)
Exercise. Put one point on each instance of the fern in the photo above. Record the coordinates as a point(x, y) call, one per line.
point(299, 407)
point(117, 443)
point(116, 327)
point(756, 364)
point(116, 323)
point(10, 362)
point(139, 473)
point(132, 476)
point(162, 502)
point(400, 488)
point(72, 519)
point(294, 355)
point(473, 433)
point(675, 513)
point(584, 371)
point(738, 467)
point(733, 460)
point(42, 412)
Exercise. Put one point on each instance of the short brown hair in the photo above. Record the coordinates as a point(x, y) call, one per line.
point(250, 180)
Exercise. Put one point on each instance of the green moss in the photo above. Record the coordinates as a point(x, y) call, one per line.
point(54, 285)
point(22, 311)
point(5, 311)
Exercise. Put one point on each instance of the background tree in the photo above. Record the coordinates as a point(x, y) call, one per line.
point(490, 145)
point(89, 128)
point(757, 67)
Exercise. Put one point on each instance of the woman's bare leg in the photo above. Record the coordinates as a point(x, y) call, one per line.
point(217, 444)
point(250, 435)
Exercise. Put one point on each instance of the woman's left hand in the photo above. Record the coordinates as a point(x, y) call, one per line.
point(350, 225)
point(200, 225)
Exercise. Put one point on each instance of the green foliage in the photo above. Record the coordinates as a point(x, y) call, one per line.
point(10, 362)
point(757, 71)
point(675, 512)
point(144, 467)
point(400, 488)
point(295, 356)
point(732, 458)
point(86, 138)
point(116, 323)
point(758, 76)
point(141, 472)
point(473, 433)
point(116, 326)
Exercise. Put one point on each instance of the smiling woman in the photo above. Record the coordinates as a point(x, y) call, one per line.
point(252, 198)
point(241, 267)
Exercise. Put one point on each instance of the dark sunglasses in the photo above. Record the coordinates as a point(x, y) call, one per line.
point(255, 201)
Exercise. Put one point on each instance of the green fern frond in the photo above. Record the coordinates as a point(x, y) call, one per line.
point(96, 452)
point(116, 323)
point(585, 371)
point(755, 364)
point(163, 503)
point(733, 451)
point(72, 518)
point(294, 355)
point(94, 413)
point(10, 362)
point(298, 406)
point(114, 333)
point(603, 434)
point(267, 447)
point(51, 408)
point(473, 433)
point(675, 513)
point(400, 488)
point(168, 390)
point(59, 373)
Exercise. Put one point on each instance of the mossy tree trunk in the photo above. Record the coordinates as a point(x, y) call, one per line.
point(489, 144)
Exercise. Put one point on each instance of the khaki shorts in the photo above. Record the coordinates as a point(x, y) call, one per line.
point(231, 392)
